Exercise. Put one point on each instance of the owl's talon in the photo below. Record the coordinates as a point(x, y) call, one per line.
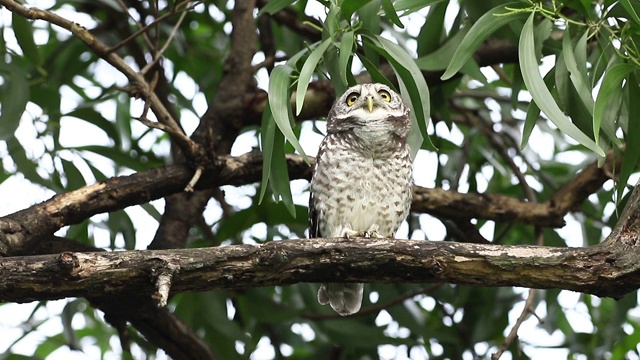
point(372, 232)
point(348, 232)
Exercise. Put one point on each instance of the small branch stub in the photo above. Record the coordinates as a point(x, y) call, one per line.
point(194, 180)
point(163, 284)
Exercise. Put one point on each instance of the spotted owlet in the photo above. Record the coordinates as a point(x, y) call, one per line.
point(362, 180)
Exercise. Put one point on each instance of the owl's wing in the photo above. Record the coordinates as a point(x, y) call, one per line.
point(314, 229)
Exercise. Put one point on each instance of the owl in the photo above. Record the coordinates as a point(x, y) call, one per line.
point(361, 184)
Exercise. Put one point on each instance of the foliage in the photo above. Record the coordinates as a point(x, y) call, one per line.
point(495, 120)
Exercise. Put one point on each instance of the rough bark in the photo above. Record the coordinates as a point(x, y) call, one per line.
point(611, 268)
point(18, 230)
point(218, 127)
point(608, 269)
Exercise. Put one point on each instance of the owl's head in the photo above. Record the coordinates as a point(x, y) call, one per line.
point(370, 109)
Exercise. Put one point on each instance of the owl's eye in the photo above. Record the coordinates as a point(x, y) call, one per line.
point(352, 98)
point(384, 94)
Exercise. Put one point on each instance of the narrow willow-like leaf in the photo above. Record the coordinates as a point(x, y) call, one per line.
point(273, 6)
point(578, 78)
point(413, 84)
point(75, 180)
point(390, 13)
point(23, 30)
point(533, 113)
point(610, 88)
point(374, 72)
point(411, 6)
point(94, 117)
point(633, 9)
point(275, 174)
point(267, 133)
point(439, 59)
point(28, 168)
point(430, 37)
point(346, 51)
point(279, 174)
point(348, 7)
point(280, 102)
point(541, 94)
point(16, 98)
point(307, 71)
point(632, 149)
point(121, 157)
point(480, 31)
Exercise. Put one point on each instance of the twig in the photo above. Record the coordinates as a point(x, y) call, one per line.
point(531, 197)
point(144, 29)
point(526, 311)
point(194, 180)
point(137, 80)
point(164, 48)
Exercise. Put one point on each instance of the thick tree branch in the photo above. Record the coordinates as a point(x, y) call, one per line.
point(120, 192)
point(611, 268)
point(608, 269)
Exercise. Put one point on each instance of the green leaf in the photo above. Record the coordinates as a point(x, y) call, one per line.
point(23, 30)
point(411, 6)
point(332, 26)
point(432, 31)
point(632, 149)
point(280, 103)
point(346, 52)
point(480, 31)
point(92, 116)
point(439, 59)
point(120, 157)
point(578, 78)
point(390, 13)
point(273, 6)
point(274, 165)
point(374, 71)
point(540, 92)
point(28, 167)
point(15, 94)
point(74, 177)
point(348, 7)
point(267, 133)
point(610, 89)
point(120, 222)
point(279, 175)
point(413, 85)
point(307, 71)
point(533, 113)
point(633, 8)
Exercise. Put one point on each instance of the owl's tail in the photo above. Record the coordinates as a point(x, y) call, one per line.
point(345, 299)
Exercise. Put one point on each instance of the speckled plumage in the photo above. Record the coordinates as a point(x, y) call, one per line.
point(362, 179)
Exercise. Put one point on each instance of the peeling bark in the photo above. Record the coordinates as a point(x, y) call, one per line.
point(608, 269)
point(18, 229)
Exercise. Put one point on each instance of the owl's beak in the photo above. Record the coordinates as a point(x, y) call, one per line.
point(370, 103)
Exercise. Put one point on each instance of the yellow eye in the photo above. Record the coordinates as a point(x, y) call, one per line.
point(384, 94)
point(352, 98)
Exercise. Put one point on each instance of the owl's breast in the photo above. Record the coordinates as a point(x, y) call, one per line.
point(358, 190)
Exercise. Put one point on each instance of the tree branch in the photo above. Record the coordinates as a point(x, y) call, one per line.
point(611, 268)
point(139, 86)
point(120, 192)
point(596, 270)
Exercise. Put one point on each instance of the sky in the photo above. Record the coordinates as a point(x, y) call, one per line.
point(17, 193)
